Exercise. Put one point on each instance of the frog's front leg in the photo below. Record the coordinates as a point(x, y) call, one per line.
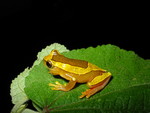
point(61, 87)
point(63, 74)
point(95, 88)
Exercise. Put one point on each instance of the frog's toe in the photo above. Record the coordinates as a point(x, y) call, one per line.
point(58, 83)
point(53, 88)
point(83, 95)
point(50, 84)
point(86, 94)
point(56, 86)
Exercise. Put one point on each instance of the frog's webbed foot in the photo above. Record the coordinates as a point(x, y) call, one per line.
point(57, 86)
point(87, 93)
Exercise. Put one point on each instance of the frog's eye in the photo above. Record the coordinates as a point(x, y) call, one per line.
point(48, 64)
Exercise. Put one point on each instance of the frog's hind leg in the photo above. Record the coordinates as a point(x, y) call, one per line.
point(95, 88)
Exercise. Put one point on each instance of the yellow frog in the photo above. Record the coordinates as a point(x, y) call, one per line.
point(76, 71)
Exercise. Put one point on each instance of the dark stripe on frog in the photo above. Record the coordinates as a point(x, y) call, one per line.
point(74, 62)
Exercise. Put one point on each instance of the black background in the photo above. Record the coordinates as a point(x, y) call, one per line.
point(28, 26)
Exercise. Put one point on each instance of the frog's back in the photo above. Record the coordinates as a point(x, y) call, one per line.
point(73, 62)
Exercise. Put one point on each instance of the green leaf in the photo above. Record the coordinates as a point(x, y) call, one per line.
point(29, 111)
point(17, 87)
point(128, 90)
point(17, 93)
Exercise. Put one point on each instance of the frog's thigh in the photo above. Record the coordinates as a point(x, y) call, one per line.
point(99, 79)
point(98, 84)
point(95, 88)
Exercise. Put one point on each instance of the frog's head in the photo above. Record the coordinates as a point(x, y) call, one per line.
point(49, 60)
